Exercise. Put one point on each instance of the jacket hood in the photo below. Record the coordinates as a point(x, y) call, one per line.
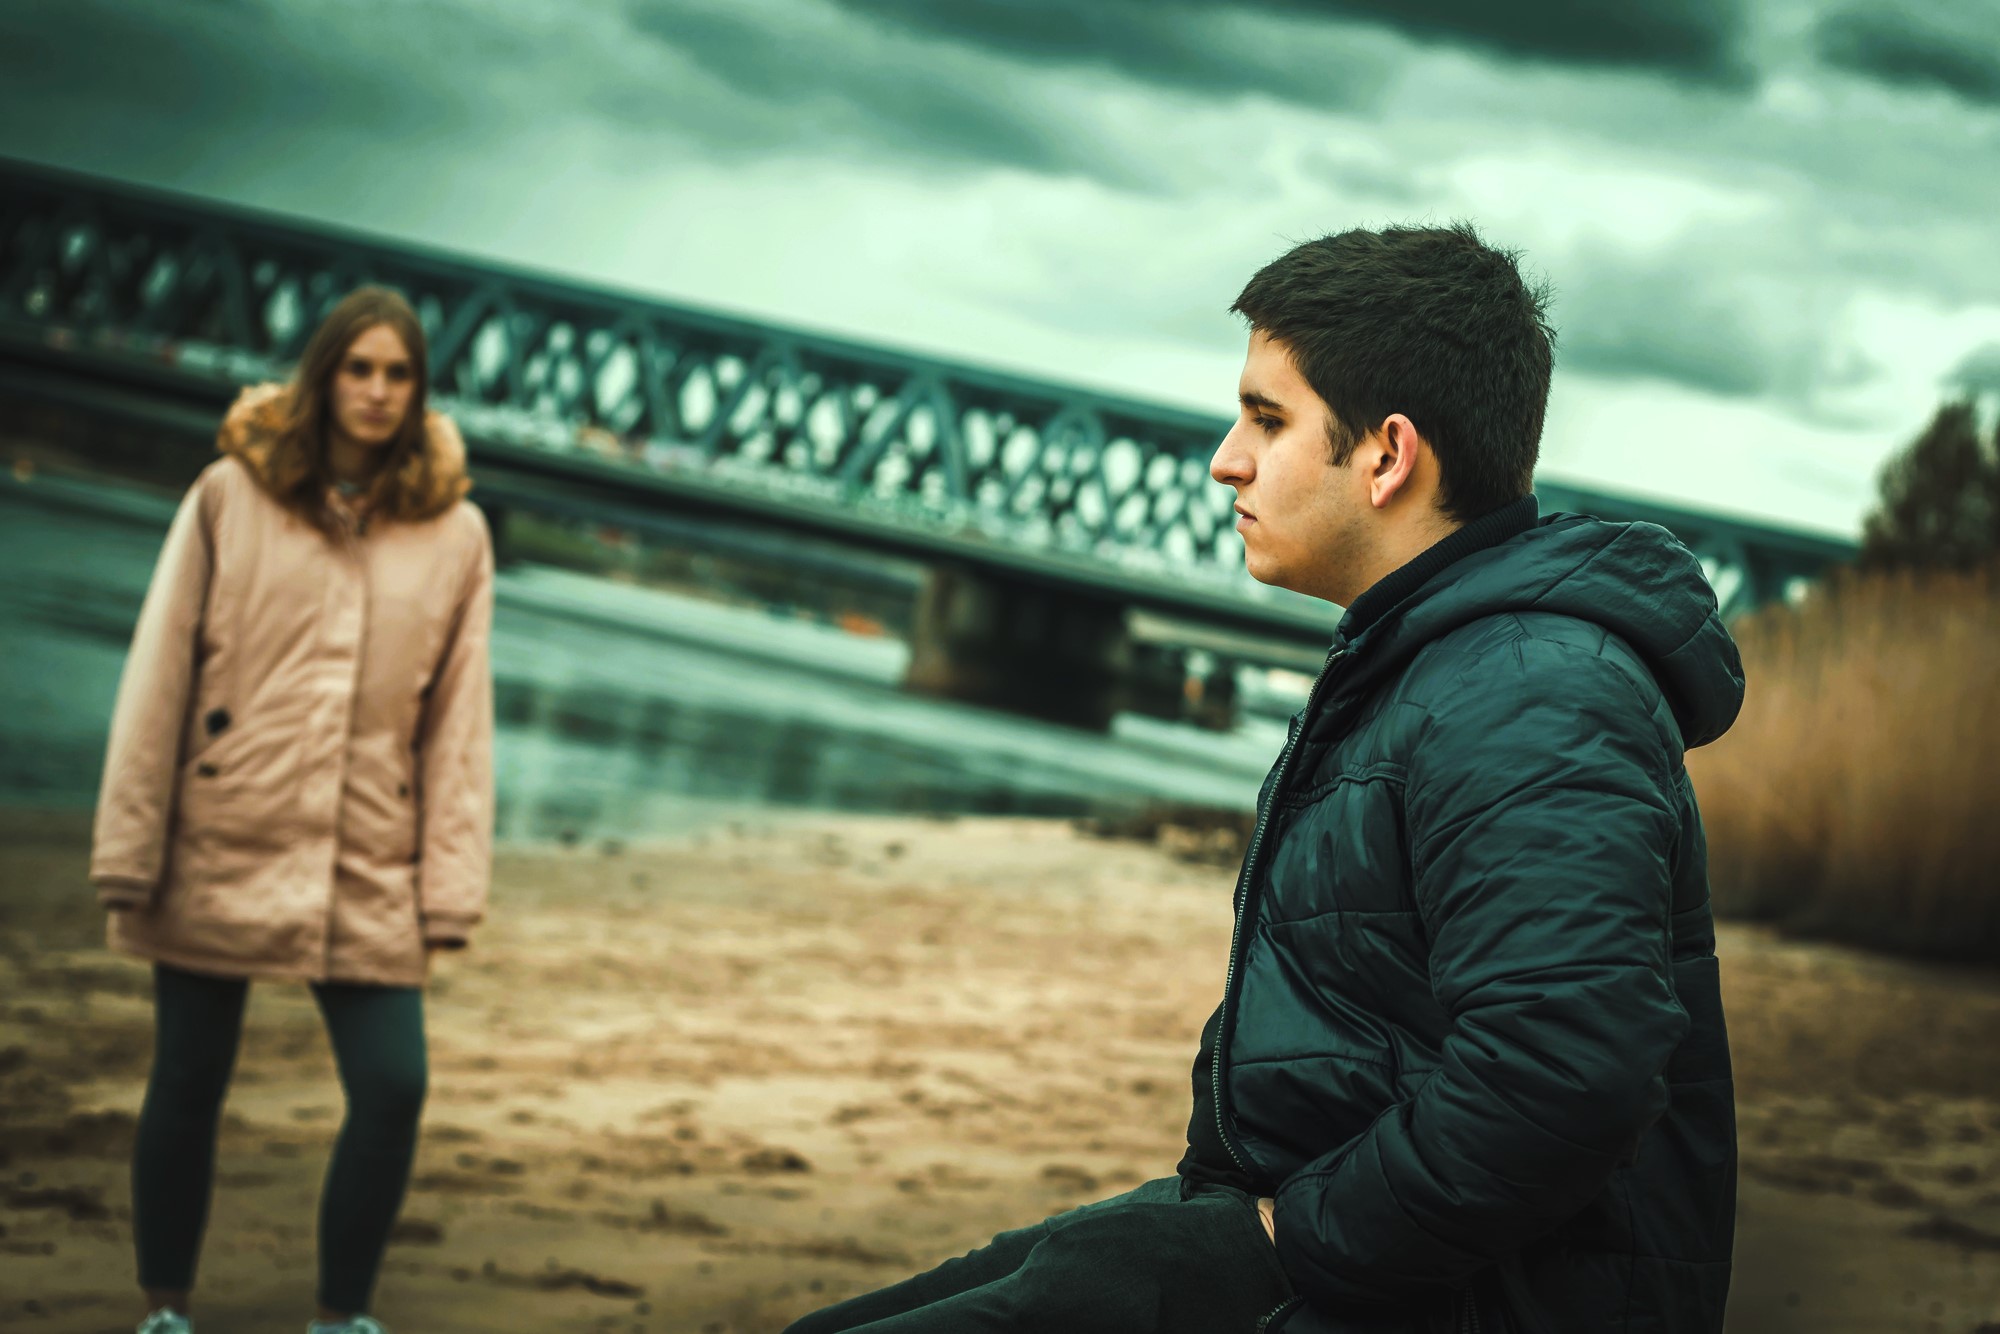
point(430, 482)
point(1633, 579)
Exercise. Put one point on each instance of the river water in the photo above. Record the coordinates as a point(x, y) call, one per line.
point(622, 712)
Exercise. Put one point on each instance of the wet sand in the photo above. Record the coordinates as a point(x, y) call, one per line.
point(711, 1085)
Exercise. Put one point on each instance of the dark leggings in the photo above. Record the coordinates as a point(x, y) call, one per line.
point(378, 1044)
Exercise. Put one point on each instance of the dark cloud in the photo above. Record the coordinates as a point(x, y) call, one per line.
point(879, 91)
point(1979, 372)
point(1168, 43)
point(1692, 37)
point(214, 88)
point(1709, 318)
point(1190, 44)
point(1956, 49)
point(1160, 42)
point(179, 74)
point(1629, 342)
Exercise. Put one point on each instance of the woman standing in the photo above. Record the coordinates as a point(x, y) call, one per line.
point(299, 778)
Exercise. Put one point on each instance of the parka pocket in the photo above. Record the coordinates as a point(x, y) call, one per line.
point(379, 806)
point(215, 744)
point(233, 796)
point(205, 769)
point(209, 802)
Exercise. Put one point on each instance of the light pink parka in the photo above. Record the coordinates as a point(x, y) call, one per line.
point(299, 780)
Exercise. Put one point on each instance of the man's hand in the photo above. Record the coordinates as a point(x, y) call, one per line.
point(1267, 1211)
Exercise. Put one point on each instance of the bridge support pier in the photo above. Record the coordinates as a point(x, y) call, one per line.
point(1025, 649)
point(1156, 682)
point(1181, 684)
point(1211, 691)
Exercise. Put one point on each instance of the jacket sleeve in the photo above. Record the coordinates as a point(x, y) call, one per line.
point(455, 750)
point(135, 800)
point(1541, 835)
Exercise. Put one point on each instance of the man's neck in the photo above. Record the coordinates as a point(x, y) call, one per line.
point(1396, 551)
point(1456, 542)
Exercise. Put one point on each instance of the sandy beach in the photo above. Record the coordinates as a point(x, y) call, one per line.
point(713, 1084)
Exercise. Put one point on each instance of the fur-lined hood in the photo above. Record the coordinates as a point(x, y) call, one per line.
point(429, 483)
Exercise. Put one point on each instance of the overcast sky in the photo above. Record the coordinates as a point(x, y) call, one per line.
point(1773, 226)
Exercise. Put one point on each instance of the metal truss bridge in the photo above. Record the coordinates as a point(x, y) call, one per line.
point(588, 400)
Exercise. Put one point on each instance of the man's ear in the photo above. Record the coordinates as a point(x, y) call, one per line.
point(1395, 445)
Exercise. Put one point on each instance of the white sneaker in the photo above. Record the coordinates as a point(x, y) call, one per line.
point(354, 1324)
point(166, 1321)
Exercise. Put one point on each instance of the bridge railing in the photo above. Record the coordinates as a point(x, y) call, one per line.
point(536, 361)
point(816, 424)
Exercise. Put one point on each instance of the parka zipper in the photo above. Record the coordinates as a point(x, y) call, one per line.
point(1243, 898)
point(352, 530)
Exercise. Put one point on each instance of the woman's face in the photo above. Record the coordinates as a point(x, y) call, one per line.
point(372, 387)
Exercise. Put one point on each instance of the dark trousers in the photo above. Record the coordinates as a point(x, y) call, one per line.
point(378, 1044)
point(1165, 1258)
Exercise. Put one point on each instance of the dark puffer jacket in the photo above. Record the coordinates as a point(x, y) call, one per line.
point(1473, 1036)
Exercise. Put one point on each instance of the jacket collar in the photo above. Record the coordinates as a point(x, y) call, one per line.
point(1489, 530)
point(1632, 580)
point(433, 479)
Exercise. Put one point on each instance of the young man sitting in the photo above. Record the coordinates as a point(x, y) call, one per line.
point(1468, 1072)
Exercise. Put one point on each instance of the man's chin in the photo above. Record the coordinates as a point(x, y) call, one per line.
point(1264, 572)
point(1280, 579)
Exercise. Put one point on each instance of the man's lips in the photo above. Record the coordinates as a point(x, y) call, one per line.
point(1244, 517)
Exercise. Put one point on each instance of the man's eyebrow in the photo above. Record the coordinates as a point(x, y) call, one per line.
point(1252, 399)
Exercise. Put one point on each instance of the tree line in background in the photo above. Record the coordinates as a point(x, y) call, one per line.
point(1855, 798)
point(1940, 504)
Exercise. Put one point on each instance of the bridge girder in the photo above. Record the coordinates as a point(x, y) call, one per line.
point(1031, 480)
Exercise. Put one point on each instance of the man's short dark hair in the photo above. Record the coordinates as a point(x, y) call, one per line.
point(1430, 322)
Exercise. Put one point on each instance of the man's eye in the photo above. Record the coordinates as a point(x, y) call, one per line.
point(1267, 424)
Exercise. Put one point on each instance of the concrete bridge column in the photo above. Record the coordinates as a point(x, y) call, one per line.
point(1015, 646)
point(1211, 691)
point(1181, 685)
point(1156, 683)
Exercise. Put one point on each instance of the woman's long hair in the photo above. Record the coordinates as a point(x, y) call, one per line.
point(298, 470)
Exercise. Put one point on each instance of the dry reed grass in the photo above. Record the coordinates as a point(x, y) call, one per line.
point(1855, 797)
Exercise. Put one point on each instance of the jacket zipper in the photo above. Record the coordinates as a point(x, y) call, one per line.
point(1243, 901)
point(1282, 1308)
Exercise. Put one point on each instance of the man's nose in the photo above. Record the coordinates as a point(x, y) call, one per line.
point(1231, 464)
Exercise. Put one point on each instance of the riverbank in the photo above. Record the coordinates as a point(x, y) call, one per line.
point(711, 1085)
